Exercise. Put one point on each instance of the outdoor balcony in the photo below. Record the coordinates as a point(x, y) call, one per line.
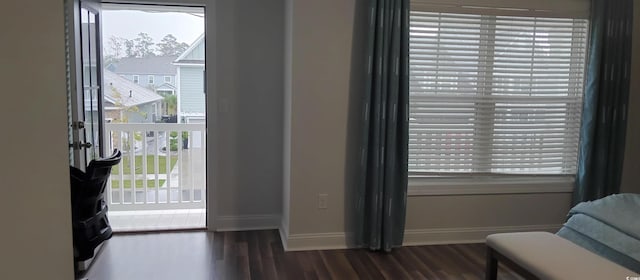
point(160, 183)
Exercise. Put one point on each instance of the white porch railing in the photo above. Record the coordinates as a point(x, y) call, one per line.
point(163, 166)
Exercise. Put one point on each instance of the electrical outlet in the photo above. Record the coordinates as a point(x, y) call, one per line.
point(322, 201)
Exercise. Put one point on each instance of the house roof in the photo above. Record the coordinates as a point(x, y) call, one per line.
point(124, 93)
point(194, 54)
point(165, 86)
point(156, 65)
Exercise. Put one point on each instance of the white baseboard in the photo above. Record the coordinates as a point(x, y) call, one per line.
point(84, 265)
point(340, 240)
point(317, 241)
point(284, 235)
point(437, 236)
point(247, 222)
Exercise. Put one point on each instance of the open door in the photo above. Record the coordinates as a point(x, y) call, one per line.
point(162, 176)
point(86, 86)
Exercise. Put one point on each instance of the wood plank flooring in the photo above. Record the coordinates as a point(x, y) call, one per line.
point(259, 255)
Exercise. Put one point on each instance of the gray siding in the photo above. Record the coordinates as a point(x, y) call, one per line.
point(192, 99)
point(158, 80)
point(197, 53)
point(145, 114)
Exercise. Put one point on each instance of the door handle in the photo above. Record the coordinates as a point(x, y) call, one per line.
point(77, 125)
point(79, 145)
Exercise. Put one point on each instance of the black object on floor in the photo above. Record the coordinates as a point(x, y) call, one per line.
point(88, 208)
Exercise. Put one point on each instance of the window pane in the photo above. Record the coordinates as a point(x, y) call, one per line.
point(495, 94)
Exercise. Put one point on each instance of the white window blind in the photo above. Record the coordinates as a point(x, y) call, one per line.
point(495, 94)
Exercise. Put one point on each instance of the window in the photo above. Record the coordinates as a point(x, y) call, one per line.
point(150, 79)
point(495, 91)
point(167, 79)
point(136, 79)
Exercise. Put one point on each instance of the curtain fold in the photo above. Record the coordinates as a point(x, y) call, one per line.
point(382, 192)
point(604, 117)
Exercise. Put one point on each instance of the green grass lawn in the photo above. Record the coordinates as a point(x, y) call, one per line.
point(115, 183)
point(126, 162)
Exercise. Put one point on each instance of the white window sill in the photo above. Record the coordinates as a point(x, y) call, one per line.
point(433, 186)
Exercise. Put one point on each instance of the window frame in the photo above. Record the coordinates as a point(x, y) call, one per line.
point(167, 80)
point(136, 79)
point(420, 184)
point(151, 79)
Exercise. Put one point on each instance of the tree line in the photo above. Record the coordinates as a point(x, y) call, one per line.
point(143, 46)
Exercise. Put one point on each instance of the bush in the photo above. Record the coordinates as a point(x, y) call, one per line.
point(173, 140)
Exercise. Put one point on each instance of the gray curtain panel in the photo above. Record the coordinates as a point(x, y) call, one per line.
point(382, 192)
point(604, 117)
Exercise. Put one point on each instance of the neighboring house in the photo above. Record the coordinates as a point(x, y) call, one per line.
point(125, 101)
point(190, 83)
point(155, 72)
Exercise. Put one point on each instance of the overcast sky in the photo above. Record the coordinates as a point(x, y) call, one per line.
point(127, 24)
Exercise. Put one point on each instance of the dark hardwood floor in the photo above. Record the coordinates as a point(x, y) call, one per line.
point(259, 255)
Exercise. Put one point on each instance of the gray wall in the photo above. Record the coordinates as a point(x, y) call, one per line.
point(246, 111)
point(324, 78)
point(247, 157)
point(246, 154)
point(34, 172)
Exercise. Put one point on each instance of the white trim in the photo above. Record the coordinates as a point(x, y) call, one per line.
point(151, 79)
point(212, 160)
point(190, 49)
point(284, 234)
point(420, 186)
point(213, 132)
point(184, 205)
point(178, 93)
point(412, 237)
point(155, 127)
point(156, 6)
point(317, 241)
point(420, 237)
point(188, 64)
point(170, 91)
point(199, 115)
point(109, 99)
point(247, 222)
point(156, 116)
point(134, 78)
point(195, 120)
point(539, 8)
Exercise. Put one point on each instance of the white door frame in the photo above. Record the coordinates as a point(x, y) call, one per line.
point(212, 162)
